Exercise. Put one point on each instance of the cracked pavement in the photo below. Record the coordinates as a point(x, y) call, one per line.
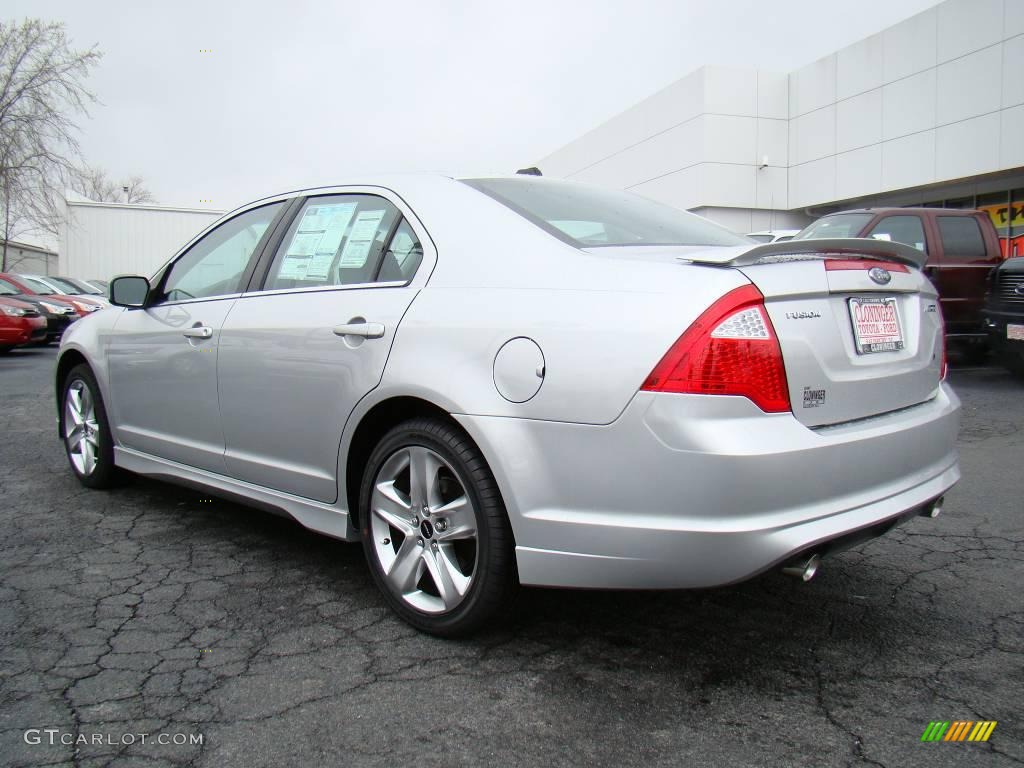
point(153, 609)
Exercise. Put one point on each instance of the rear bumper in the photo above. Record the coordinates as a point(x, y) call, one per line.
point(697, 491)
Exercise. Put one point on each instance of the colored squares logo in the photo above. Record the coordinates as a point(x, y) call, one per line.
point(958, 730)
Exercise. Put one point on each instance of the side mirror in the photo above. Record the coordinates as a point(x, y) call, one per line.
point(129, 291)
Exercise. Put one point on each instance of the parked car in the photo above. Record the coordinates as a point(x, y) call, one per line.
point(1004, 314)
point(82, 287)
point(58, 314)
point(773, 235)
point(32, 287)
point(69, 287)
point(438, 368)
point(962, 248)
point(20, 324)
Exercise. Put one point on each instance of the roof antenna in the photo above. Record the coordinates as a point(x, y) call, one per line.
point(531, 171)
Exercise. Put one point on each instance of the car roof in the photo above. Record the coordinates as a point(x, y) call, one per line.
point(908, 209)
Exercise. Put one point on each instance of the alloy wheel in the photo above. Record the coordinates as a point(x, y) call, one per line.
point(81, 430)
point(424, 529)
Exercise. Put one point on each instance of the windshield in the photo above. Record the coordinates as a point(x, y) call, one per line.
point(66, 285)
point(590, 217)
point(839, 225)
point(36, 286)
point(7, 289)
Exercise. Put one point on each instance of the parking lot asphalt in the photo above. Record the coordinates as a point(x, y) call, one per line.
point(156, 610)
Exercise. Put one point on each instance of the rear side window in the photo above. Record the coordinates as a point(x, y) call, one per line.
point(961, 236)
point(344, 240)
point(901, 229)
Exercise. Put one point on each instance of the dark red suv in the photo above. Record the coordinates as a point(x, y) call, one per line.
point(962, 248)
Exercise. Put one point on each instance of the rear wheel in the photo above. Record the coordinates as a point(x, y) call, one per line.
point(435, 530)
point(86, 432)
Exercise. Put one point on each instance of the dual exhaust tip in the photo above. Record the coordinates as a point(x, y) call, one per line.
point(806, 566)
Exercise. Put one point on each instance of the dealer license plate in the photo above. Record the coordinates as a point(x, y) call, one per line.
point(876, 325)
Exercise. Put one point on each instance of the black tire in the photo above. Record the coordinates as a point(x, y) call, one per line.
point(494, 579)
point(976, 353)
point(104, 474)
point(1014, 363)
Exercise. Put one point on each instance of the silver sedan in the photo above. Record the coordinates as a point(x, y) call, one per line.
point(501, 381)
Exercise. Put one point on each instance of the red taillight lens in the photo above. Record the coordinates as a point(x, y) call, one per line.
point(731, 349)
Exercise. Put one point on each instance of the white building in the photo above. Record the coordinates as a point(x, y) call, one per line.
point(927, 112)
point(101, 240)
point(23, 257)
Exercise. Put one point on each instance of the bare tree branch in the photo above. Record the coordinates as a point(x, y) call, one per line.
point(42, 90)
point(93, 183)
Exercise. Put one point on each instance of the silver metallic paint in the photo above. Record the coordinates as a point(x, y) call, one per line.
point(680, 490)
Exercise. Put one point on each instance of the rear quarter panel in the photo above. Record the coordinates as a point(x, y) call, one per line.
point(598, 345)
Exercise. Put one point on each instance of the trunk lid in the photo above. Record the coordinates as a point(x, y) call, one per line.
point(831, 377)
point(831, 374)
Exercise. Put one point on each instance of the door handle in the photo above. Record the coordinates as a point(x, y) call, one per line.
point(366, 330)
point(198, 332)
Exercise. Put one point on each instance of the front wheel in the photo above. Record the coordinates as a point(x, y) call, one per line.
point(86, 432)
point(435, 530)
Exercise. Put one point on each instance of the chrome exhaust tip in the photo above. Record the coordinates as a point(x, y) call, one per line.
point(934, 509)
point(803, 568)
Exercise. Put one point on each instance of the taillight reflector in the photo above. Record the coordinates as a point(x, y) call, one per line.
point(731, 349)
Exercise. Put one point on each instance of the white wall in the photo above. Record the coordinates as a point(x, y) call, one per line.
point(935, 98)
point(101, 240)
point(28, 260)
point(698, 142)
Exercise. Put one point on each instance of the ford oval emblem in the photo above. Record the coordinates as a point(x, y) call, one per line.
point(879, 275)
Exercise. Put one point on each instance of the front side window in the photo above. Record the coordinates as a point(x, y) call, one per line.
point(216, 264)
point(961, 236)
point(591, 217)
point(343, 240)
point(900, 229)
point(839, 225)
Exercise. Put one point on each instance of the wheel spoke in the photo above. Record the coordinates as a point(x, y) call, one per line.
point(423, 467)
point(406, 568)
point(459, 519)
point(387, 504)
point(86, 404)
point(88, 457)
point(74, 434)
point(450, 582)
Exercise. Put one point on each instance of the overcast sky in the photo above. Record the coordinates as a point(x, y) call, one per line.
point(302, 93)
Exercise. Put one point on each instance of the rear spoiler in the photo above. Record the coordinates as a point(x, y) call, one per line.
point(847, 247)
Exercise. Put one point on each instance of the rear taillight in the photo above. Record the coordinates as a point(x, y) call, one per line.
point(731, 349)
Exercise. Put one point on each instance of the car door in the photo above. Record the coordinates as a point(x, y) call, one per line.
point(963, 270)
point(312, 336)
point(162, 358)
